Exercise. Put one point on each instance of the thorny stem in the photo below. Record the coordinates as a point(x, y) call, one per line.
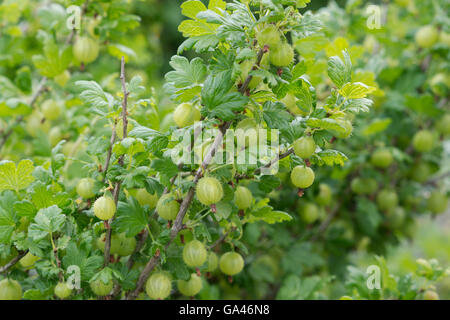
point(121, 159)
point(16, 259)
point(178, 224)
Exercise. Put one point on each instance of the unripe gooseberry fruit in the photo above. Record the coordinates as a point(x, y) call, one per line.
point(191, 287)
point(302, 177)
point(85, 49)
point(28, 260)
point(54, 136)
point(444, 38)
point(282, 55)
point(443, 125)
point(421, 172)
point(346, 132)
point(325, 195)
point(250, 132)
point(145, 198)
point(440, 83)
point(104, 208)
point(212, 262)
point(194, 253)
point(246, 66)
point(269, 36)
point(62, 291)
point(437, 202)
point(387, 200)
point(290, 101)
point(231, 263)
point(10, 290)
point(396, 217)
point(186, 114)
point(309, 213)
point(305, 147)
point(364, 185)
point(100, 288)
point(209, 191)
point(430, 295)
point(85, 188)
point(62, 78)
point(35, 123)
point(423, 141)
point(427, 36)
point(158, 286)
point(115, 243)
point(127, 245)
point(51, 109)
point(381, 158)
point(243, 198)
point(167, 207)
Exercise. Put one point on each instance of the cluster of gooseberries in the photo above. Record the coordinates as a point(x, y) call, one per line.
point(195, 255)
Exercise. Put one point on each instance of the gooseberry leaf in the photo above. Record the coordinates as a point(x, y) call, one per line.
point(16, 178)
point(46, 221)
point(131, 217)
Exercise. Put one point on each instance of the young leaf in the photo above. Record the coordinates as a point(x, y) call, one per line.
point(131, 218)
point(46, 221)
point(276, 116)
point(12, 178)
point(340, 72)
point(356, 90)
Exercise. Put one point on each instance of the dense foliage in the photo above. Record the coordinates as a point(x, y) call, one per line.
point(283, 143)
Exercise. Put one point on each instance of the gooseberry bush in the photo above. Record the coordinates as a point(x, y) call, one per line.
point(99, 201)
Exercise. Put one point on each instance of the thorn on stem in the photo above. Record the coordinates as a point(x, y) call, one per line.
point(182, 238)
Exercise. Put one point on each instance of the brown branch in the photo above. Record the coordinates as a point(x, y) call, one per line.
point(139, 245)
point(221, 239)
point(247, 81)
point(74, 30)
point(178, 224)
point(108, 156)
point(10, 264)
point(436, 179)
point(280, 157)
point(271, 163)
point(116, 192)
